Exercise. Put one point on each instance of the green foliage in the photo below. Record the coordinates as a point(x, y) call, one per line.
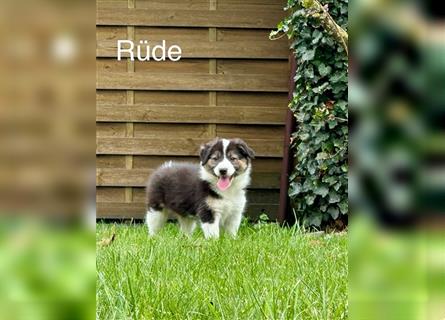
point(318, 184)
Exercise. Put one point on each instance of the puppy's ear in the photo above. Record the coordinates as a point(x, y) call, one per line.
point(204, 153)
point(244, 149)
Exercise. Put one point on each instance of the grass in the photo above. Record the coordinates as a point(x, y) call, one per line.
point(268, 272)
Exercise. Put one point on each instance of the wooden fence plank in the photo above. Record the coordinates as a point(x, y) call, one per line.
point(203, 49)
point(113, 194)
point(138, 177)
point(177, 147)
point(173, 4)
point(172, 34)
point(111, 96)
point(177, 98)
point(148, 162)
point(112, 3)
point(119, 210)
point(110, 161)
point(266, 99)
point(248, 132)
point(266, 19)
point(192, 82)
point(113, 129)
point(197, 4)
point(171, 130)
point(137, 210)
point(251, 4)
point(122, 177)
point(190, 114)
point(259, 67)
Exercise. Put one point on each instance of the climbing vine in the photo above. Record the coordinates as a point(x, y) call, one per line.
point(318, 184)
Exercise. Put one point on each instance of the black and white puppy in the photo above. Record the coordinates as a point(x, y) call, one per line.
point(212, 193)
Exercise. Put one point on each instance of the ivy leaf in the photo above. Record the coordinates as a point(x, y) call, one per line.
point(294, 190)
point(321, 88)
point(333, 212)
point(322, 191)
point(324, 70)
point(337, 186)
point(315, 220)
point(336, 77)
point(304, 136)
point(308, 55)
point(333, 197)
point(311, 168)
point(310, 199)
point(320, 138)
point(343, 205)
point(332, 124)
point(322, 156)
point(309, 72)
point(316, 35)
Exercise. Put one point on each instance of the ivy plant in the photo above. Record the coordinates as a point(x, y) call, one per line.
point(318, 185)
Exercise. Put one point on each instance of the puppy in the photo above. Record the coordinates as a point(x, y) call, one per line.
point(212, 193)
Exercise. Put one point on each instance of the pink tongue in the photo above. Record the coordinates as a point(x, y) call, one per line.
point(223, 183)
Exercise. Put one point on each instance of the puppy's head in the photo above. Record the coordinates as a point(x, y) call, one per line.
point(225, 160)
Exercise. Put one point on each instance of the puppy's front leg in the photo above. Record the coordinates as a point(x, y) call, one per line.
point(209, 222)
point(232, 223)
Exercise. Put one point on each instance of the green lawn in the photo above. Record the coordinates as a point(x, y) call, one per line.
point(268, 272)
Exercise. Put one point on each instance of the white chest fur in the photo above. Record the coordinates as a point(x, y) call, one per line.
point(232, 202)
point(228, 209)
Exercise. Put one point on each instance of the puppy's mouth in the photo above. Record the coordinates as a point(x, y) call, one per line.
point(224, 182)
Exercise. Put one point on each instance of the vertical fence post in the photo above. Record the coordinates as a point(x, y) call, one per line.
point(284, 210)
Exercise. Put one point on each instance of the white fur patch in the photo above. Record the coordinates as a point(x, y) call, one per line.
point(232, 223)
point(225, 163)
point(155, 220)
point(211, 230)
point(167, 164)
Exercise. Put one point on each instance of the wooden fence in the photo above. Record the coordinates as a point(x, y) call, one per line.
point(232, 81)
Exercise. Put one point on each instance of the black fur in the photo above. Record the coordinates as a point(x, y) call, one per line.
point(243, 148)
point(208, 148)
point(178, 187)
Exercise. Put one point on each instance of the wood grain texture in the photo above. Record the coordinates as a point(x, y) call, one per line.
point(190, 114)
point(177, 98)
point(137, 210)
point(173, 4)
point(193, 82)
point(120, 210)
point(176, 147)
point(114, 194)
point(266, 19)
point(171, 130)
point(266, 99)
point(248, 132)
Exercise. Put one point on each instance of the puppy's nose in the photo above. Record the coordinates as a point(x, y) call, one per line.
point(223, 172)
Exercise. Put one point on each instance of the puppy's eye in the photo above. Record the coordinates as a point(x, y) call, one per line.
point(233, 159)
point(214, 158)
